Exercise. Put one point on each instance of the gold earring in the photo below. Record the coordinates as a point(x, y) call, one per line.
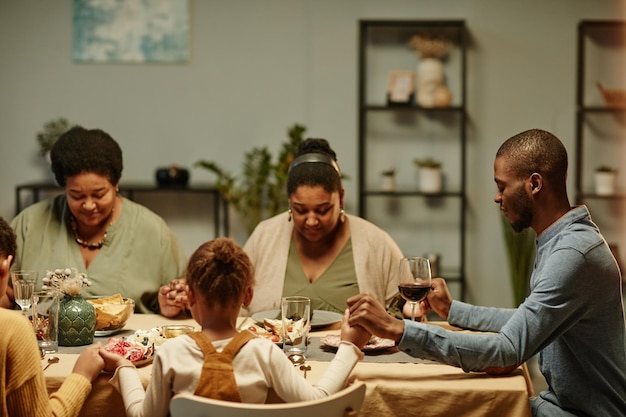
point(342, 216)
point(289, 218)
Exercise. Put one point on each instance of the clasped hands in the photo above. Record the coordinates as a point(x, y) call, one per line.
point(365, 311)
point(173, 297)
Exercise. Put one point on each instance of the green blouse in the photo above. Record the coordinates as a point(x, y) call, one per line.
point(331, 290)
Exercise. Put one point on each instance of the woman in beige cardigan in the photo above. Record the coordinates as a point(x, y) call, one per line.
point(315, 249)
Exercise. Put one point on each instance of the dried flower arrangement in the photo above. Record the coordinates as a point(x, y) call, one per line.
point(68, 281)
point(426, 45)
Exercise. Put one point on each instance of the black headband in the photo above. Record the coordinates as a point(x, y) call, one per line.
point(314, 157)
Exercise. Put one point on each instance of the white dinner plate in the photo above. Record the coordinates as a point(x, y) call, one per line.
point(321, 318)
point(102, 333)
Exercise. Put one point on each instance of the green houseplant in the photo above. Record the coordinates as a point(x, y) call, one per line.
point(47, 137)
point(261, 191)
point(520, 250)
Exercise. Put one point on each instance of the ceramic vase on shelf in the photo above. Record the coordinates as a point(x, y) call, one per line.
point(604, 182)
point(77, 321)
point(388, 181)
point(431, 91)
point(430, 180)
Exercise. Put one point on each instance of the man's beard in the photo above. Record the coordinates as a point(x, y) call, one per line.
point(522, 206)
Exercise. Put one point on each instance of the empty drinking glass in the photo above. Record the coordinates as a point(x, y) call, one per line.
point(24, 283)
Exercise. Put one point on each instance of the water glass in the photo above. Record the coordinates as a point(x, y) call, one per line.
point(296, 316)
point(46, 320)
point(24, 283)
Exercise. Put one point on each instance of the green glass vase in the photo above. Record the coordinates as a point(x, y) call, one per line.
point(77, 321)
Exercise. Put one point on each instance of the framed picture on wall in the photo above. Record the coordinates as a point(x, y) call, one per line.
point(130, 31)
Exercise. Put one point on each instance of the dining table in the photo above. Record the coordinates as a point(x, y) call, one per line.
point(397, 384)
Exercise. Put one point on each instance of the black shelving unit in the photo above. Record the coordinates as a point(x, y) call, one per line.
point(392, 135)
point(601, 126)
point(30, 193)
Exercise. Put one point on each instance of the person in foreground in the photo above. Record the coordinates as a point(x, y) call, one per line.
point(121, 246)
point(220, 279)
point(316, 249)
point(23, 387)
point(573, 317)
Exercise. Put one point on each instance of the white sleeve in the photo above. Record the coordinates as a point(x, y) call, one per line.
point(289, 384)
point(153, 402)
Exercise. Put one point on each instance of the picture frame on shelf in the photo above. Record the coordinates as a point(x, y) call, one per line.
point(401, 88)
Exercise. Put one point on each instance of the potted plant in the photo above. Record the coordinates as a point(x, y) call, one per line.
point(520, 250)
point(261, 191)
point(429, 175)
point(604, 180)
point(47, 137)
point(388, 180)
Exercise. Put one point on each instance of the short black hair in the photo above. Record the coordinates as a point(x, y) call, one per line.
point(81, 150)
point(536, 150)
point(8, 245)
point(314, 174)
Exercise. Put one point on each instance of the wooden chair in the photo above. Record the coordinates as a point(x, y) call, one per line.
point(345, 403)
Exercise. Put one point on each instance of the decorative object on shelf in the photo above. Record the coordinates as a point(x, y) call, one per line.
point(613, 98)
point(388, 182)
point(262, 192)
point(172, 176)
point(429, 175)
point(431, 90)
point(47, 137)
point(604, 180)
point(77, 317)
point(401, 88)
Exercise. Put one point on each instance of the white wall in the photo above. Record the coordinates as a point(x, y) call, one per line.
point(258, 66)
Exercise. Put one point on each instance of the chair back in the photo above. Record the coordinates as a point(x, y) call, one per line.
point(345, 403)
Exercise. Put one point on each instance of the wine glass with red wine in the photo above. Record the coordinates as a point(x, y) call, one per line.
point(415, 277)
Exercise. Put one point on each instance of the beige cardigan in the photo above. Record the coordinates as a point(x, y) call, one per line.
point(376, 258)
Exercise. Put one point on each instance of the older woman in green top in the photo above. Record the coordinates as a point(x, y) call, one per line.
point(122, 246)
point(315, 249)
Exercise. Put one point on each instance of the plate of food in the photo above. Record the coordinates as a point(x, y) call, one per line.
point(319, 318)
point(374, 344)
point(138, 353)
point(273, 329)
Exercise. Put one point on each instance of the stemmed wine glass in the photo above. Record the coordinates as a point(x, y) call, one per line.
point(23, 287)
point(415, 279)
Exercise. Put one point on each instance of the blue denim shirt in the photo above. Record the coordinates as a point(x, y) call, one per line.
point(573, 317)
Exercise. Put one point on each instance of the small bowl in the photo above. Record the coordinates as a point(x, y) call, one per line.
point(172, 176)
point(170, 331)
point(111, 318)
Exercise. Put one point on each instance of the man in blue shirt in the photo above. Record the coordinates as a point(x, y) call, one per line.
point(573, 316)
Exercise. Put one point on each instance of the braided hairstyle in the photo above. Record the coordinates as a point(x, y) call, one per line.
point(81, 150)
point(314, 174)
point(220, 271)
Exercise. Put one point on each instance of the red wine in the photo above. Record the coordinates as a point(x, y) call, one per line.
point(413, 292)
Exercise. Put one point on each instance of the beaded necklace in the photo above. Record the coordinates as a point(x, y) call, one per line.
point(82, 242)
